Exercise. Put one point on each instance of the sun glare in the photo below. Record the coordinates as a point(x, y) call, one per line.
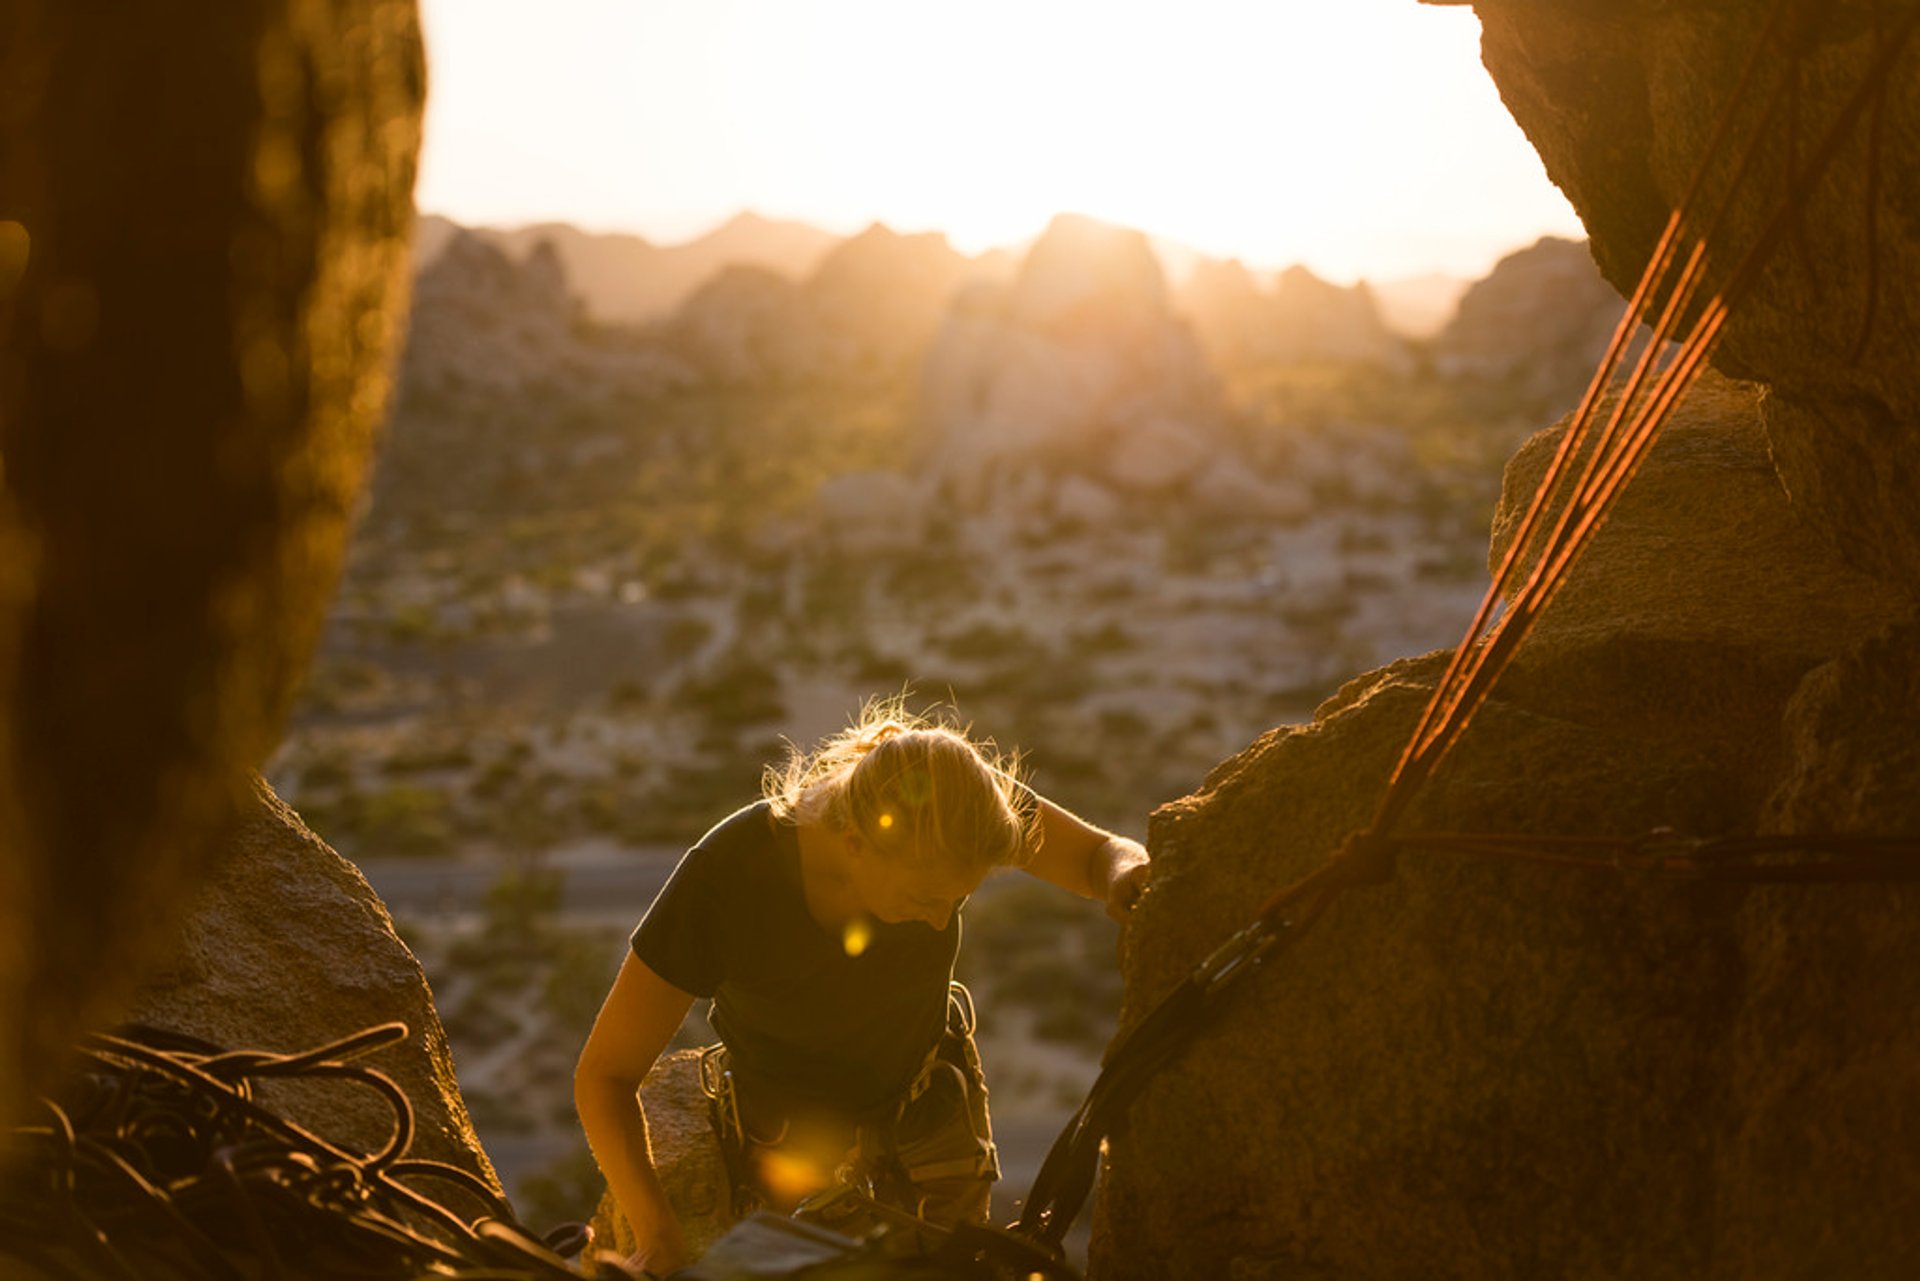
point(1360, 137)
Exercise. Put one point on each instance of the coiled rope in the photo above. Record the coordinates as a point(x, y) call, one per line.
point(158, 1162)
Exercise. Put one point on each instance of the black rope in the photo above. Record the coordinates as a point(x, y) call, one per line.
point(158, 1162)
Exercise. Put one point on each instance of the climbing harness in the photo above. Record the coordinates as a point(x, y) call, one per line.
point(869, 1158)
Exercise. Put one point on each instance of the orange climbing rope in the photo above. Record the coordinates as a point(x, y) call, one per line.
point(1669, 362)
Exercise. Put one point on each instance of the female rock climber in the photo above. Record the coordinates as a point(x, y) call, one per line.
point(823, 921)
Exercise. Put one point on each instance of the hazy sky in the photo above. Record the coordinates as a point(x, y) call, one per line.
point(1361, 137)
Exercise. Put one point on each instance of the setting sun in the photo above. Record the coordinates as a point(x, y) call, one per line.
point(1362, 139)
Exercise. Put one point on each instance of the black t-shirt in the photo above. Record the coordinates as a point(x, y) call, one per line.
point(805, 1023)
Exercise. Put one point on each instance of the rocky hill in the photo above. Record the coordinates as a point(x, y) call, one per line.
point(607, 568)
point(1300, 319)
point(1553, 293)
point(626, 279)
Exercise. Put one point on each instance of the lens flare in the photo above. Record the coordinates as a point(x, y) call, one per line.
point(790, 1177)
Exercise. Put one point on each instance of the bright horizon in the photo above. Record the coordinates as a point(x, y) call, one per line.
point(1363, 140)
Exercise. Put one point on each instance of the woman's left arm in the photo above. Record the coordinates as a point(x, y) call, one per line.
point(1075, 855)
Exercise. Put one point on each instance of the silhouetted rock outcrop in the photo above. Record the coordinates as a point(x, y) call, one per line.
point(213, 217)
point(288, 948)
point(1537, 326)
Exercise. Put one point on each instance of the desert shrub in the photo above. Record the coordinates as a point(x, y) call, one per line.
point(982, 642)
point(691, 798)
point(521, 903)
point(567, 1191)
point(583, 969)
point(1108, 638)
point(479, 1021)
point(735, 691)
point(411, 624)
point(431, 754)
point(683, 636)
point(1124, 723)
point(325, 770)
point(497, 777)
point(406, 819)
point(627, 696)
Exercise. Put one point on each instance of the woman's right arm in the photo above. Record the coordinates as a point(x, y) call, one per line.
point(637, 1020)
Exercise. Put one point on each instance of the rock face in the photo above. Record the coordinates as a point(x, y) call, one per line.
point(1621, 103)
point(288, 948)
point(1499, 1070)
point(1059, 369)
point(686, 1154)
point(1491, 1070)
point(204, 229)
point(1538, 323)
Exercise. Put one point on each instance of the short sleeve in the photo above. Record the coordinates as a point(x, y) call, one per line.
point(680, 938)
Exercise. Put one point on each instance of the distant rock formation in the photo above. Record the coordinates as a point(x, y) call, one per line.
point(742, 326)
point(1078, 366)
point(213, 217)
point(491, 331)
point(628, 280)
point(880, 296)
point(289, 948)
point(1301, 320)
point(1536, 326)
point(871, 307)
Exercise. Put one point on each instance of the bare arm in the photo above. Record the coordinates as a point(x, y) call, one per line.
point(637, 1020)
point(1093, 863)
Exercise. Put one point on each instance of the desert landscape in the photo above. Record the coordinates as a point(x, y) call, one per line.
point(616, 560)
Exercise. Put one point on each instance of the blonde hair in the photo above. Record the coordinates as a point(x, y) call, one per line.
point(919, 790)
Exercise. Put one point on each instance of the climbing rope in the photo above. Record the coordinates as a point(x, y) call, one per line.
point(1686, 324)
point(158, 1162)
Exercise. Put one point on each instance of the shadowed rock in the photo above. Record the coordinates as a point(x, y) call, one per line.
point(1490, 1070)
point(205, 281)
point(686, 1154)
point(1622, 100)
point(288, 948)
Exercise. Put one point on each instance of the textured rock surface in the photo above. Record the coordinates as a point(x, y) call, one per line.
point(205, 283)
point(686, 1154)
point(1827, 1042)
point(1483, 1070)
point(1621, 100)
point(288, 948)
